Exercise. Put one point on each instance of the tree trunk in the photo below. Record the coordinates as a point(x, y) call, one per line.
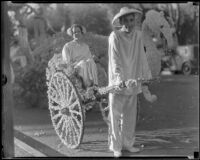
point(40, 28)
point(178, 28)
point(24, 44)
point(23, 37)
point(7, 109)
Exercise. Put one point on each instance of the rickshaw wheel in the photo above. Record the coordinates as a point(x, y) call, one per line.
point(65, 110)
point(187, 68)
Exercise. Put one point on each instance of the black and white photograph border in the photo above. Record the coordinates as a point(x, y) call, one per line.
point(52, 109)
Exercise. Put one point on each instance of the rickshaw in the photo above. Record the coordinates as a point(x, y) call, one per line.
point(69, 100)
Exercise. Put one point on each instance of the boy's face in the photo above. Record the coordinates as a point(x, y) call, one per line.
point(129, 22)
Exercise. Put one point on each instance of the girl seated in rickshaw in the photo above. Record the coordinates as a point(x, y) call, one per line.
point(77, 55)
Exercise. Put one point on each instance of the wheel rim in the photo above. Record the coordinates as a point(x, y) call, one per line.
point(65, 110)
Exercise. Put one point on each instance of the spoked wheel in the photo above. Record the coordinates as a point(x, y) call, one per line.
point(65, 110)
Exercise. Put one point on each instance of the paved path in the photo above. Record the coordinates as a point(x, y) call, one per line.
point(168, 127)
point(177, 141)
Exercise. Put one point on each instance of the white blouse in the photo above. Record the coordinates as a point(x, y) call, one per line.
point(74, 52)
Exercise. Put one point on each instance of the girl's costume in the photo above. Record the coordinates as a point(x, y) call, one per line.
point(79, 56)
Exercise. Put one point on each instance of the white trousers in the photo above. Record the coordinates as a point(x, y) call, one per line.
point(122, 115)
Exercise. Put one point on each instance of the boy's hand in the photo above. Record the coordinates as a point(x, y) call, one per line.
point(131, 83)
point(117, 87)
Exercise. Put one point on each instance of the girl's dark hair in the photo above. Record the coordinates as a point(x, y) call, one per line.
point(77, 25)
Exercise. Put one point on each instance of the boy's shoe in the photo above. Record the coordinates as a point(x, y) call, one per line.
point(117, 154)
point(132, 149)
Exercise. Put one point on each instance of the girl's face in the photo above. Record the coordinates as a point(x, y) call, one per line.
point(77, 33)
point(129, 22)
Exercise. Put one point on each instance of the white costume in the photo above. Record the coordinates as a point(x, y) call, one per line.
point(79, 55)
point(127, 60)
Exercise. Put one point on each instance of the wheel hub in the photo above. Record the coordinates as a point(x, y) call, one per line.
point(65, 111)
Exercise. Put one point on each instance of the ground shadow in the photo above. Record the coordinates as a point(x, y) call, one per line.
point(95, 146)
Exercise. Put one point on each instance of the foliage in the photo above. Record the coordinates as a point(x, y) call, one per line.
point(30, 83)
point(187, 24)
point(92, 16)
point(97, 17)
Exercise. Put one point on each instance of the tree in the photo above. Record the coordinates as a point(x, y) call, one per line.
point(92, 16)
point(21, 12)
point(185, 19)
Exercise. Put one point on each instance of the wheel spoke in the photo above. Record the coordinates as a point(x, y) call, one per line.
point(55, 100)
point(59, 88)
point(52, 92)
point(70, 133)
point(77, 122)
point(66, 131)
point(63, 127)
point(75, 112)
point(67, 123)
point(73, 105)
point(67, 92)
point(71, 97)
point(64, 123)
point(55, 83)
point(56, 116)
point(64, 89)
point(54, 107)
point(56, 87)
point(59, 123)
point(73, 132)
point(77, 131)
